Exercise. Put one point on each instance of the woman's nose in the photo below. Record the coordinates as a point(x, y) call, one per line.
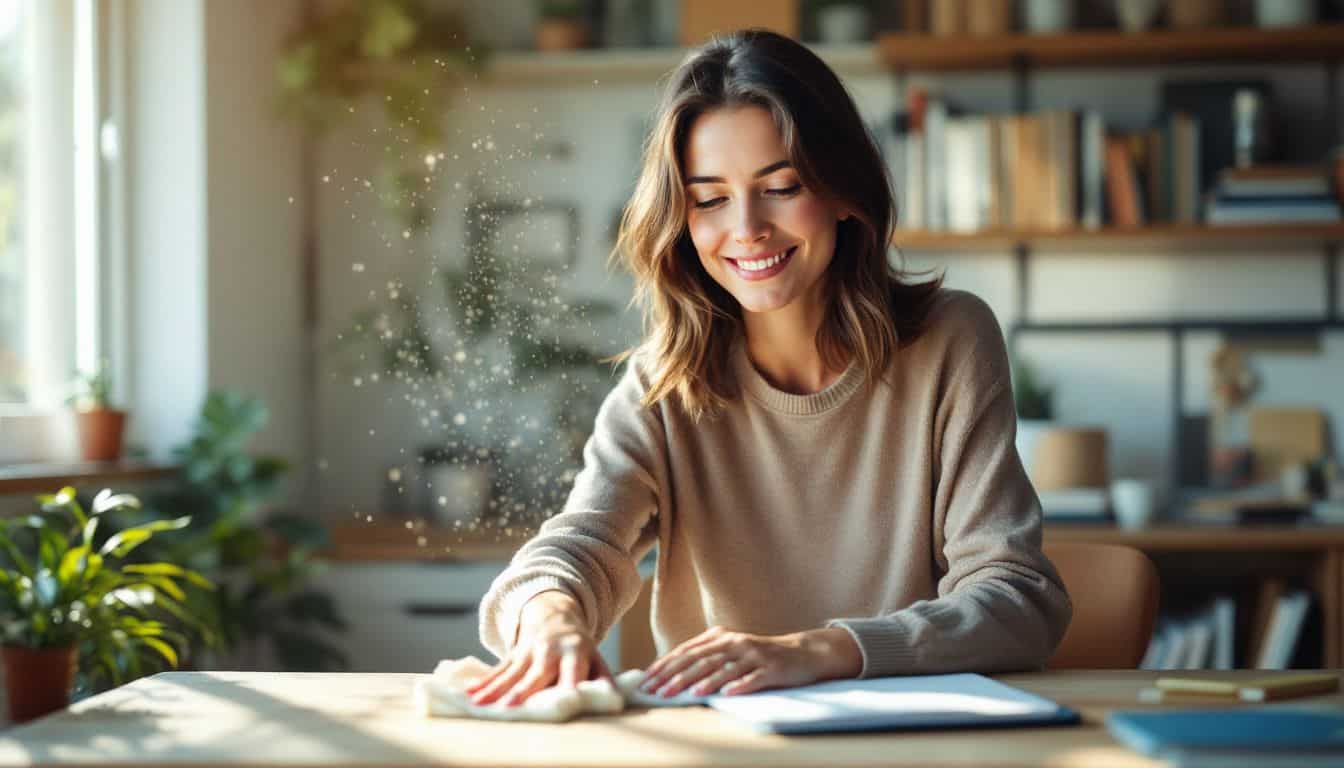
point(750, 226)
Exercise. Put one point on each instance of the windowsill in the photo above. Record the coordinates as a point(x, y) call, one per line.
point(51, 477)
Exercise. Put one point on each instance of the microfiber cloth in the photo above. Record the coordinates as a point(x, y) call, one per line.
point(443, 694)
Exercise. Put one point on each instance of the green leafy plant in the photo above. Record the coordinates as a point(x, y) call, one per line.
point(510, 336)
point(63, 584)
point(1031, 396)
point(93, 389)
point(407, 56)
point(261, 558)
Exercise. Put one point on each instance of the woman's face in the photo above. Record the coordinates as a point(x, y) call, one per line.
point(759, 233)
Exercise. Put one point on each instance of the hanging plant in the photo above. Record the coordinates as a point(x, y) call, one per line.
point(403, 54)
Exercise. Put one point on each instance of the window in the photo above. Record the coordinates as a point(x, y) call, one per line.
point(49, 172)
point(13, 304)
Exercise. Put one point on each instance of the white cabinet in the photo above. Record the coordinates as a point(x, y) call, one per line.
point(405, 617)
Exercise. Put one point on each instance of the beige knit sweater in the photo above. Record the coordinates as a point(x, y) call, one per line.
point(901, 514)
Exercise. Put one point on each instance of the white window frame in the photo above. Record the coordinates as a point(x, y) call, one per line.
point(74, 208)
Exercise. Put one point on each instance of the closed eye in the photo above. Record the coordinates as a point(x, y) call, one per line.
point(780, 192)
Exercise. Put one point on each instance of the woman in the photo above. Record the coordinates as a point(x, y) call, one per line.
point(822, 452)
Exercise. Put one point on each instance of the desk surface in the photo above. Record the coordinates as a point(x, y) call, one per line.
point(253, 718)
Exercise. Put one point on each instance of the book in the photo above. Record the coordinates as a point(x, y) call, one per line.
point(1224, 632)
point(1271, 688)
point(1257, 736)
point(1122, 189)
point(1221, 211)
point(1074, 502)
point(1285, 627)
point(893, 703)
point(1093, 162)
point(1274, 180)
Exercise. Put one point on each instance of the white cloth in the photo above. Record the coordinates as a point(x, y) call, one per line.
point(443, 694)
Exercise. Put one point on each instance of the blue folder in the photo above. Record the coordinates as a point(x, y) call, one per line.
point(1186, 736)
point(894, 703)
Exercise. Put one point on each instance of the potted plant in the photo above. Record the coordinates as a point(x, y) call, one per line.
point(561, 25)
point(69, 601)
point(840, 21)
point(100, 426)
point(1035, 405)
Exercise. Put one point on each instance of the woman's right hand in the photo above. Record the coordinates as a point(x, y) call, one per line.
point(553, 646)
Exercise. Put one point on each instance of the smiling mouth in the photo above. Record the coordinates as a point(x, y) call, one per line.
point(755, 268)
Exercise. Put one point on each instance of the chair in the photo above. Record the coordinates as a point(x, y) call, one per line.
point(1114, 591)
point(1115, 595)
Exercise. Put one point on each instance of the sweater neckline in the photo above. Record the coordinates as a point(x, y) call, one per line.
point(755, 386)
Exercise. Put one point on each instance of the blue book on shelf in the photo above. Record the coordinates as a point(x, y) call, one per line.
point(1185, 735)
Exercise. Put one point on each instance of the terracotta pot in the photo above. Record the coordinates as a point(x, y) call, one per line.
point(100, 434)
point(38, 681)
point(561, 34)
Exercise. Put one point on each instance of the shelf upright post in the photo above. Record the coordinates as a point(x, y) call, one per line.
point(1021, 250)
point(1177, 402)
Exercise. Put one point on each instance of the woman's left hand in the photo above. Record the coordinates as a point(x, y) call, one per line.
point(720, 661)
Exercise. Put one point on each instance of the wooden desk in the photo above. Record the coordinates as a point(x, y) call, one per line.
point(262, 719)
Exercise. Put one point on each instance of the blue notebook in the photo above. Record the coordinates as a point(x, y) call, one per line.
point(1185, 734)
point(893, 703)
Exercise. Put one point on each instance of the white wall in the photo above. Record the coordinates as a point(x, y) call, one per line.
point(1119, 381)
point(215, 281)
point(167, 228)
point(255, 335)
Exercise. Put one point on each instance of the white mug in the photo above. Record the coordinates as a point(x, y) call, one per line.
point(1133, 502)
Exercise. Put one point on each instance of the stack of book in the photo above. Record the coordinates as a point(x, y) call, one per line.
point(1206, 639)
point(1048, 170)
point(1273, 195)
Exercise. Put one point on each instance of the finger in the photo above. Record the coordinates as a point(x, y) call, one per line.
point(701, 668)
point(674, 665)
point(538, 678)
point(489, 677)
point(757, 680)
point(501, 683)
point(657, 666)
point(726, 673)
point(573, 668)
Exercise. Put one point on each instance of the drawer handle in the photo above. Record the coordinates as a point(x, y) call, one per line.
point(440, 609)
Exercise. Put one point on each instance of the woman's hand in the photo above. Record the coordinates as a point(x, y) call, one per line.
point(718, 660)
point(553, 646)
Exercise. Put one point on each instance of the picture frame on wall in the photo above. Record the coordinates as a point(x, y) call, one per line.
point(534, 235)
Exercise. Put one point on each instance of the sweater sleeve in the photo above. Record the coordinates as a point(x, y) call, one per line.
point(591, 549)
point(1000, 605)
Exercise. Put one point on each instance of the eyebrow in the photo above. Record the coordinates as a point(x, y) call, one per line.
point(766, 171)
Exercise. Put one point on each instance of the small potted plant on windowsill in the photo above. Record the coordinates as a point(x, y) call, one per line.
point(100, 426)
point(561, 25)
point(69, 604)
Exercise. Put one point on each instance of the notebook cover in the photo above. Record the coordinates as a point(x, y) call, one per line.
point(1180, 731)
point(894, 703)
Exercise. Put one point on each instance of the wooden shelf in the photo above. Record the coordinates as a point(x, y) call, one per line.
point(1203, 538)
point(613, 65)
point(49, 478)
point(1156, 237)
point(1095, 48)
point(378, 540)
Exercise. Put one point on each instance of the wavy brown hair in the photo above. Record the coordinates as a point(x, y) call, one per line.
point(690, 322)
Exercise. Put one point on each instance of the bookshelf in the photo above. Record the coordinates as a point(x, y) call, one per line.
point(1155, 237)
point(909, 52)
point(1194, 561)
point(1239, 560)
